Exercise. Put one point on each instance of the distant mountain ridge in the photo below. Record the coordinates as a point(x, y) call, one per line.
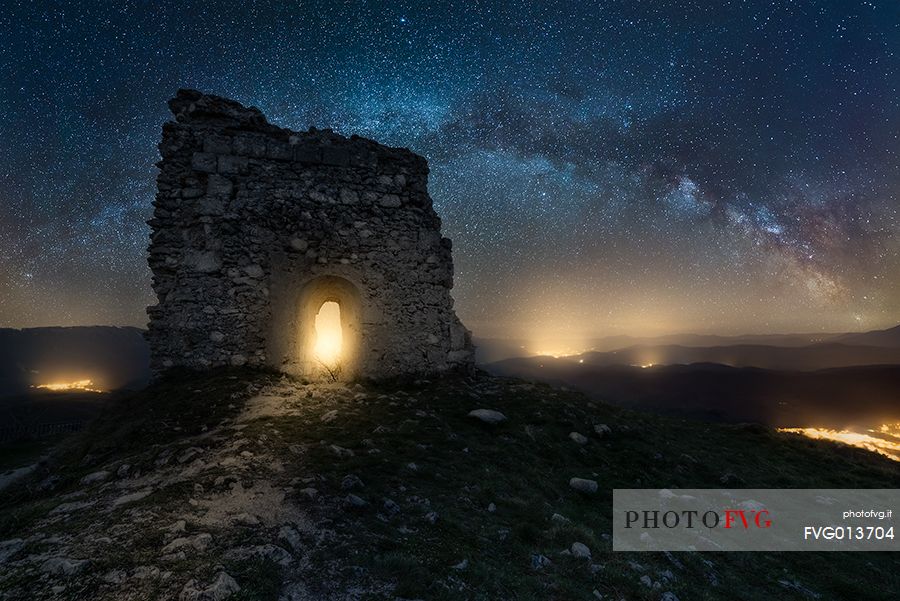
point(889, 337)
point(118, 357)
point(491, 350)
point(836, 397)
point(834, 381)
point(802, 358)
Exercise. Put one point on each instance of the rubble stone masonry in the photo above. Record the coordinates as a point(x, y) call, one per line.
point(256, 226)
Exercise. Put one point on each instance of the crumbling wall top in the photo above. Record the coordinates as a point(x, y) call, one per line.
point(207, 111)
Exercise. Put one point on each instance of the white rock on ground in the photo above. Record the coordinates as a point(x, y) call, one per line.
point(131, 497)
point(350, 482)
point(188, 454)
point(115, 576)
point(95, 477)
point(488, 416)
point(354, 501)
point(274, 553)
point(580, 550)
point(63, 566)
point(341, 451)
point(10, 547)
point(539, 561)
point(222, 587)
point(583, 485)
point(309, 492)
point(70, 507)
point(602, 430)
point(291, 537)
point(198, 542)
point(578, 437)
point(391, 507)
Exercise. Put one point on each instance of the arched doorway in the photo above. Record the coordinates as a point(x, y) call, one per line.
point(329, 329)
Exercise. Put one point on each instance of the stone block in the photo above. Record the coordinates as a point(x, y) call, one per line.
point(459, 336)
point(460, 357)
point(250, 146)
point(391, 201)
point(339, 157)
point(349, 197)
point(232, 164)
point(363, 159)
point(217, 144)
point(204, 161)
point(202, 261)
point(307, 154)
point(210, 205)
point(279, 151)
point(217, 185)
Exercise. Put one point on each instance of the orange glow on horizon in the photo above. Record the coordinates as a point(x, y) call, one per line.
point(86, 385)
point(885, 440)
point(557, 350)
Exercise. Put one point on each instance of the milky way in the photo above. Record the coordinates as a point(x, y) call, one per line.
point(620, 167)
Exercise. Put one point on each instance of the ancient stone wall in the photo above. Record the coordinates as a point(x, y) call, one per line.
point(255, 226)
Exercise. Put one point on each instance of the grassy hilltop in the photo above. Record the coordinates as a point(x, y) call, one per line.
point(249, 485)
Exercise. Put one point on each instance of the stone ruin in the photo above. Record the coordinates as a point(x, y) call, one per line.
point(256, 227)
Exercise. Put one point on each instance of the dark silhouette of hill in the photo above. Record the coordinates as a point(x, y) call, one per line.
point(376, 490)
point(839, 397)
point(813, 357)
point(491, 350)
point(610, 343)
point(890, 337)
point(112, 357)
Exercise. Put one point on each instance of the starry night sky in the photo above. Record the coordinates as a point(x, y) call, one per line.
point(603, 168)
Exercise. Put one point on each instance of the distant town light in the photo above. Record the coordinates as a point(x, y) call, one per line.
point(885, 440)
point(86, 385)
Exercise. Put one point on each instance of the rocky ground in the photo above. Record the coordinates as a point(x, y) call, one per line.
point(246, 485)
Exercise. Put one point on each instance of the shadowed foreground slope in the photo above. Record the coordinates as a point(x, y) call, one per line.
point(244, 485)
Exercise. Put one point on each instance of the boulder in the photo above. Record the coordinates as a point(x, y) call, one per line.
point(95, 477)
point(578, 438)
point(602, 430)
point(221, 588)
point(582, 485)
point(488, 416)
point(580, 550)
point(63, 566)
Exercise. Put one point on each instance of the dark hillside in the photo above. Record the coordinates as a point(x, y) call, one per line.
point(203, 484)
point(826, 398)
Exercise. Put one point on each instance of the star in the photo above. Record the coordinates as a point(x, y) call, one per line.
point(600, 167)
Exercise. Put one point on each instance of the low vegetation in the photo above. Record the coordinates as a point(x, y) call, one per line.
point(251, 485)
